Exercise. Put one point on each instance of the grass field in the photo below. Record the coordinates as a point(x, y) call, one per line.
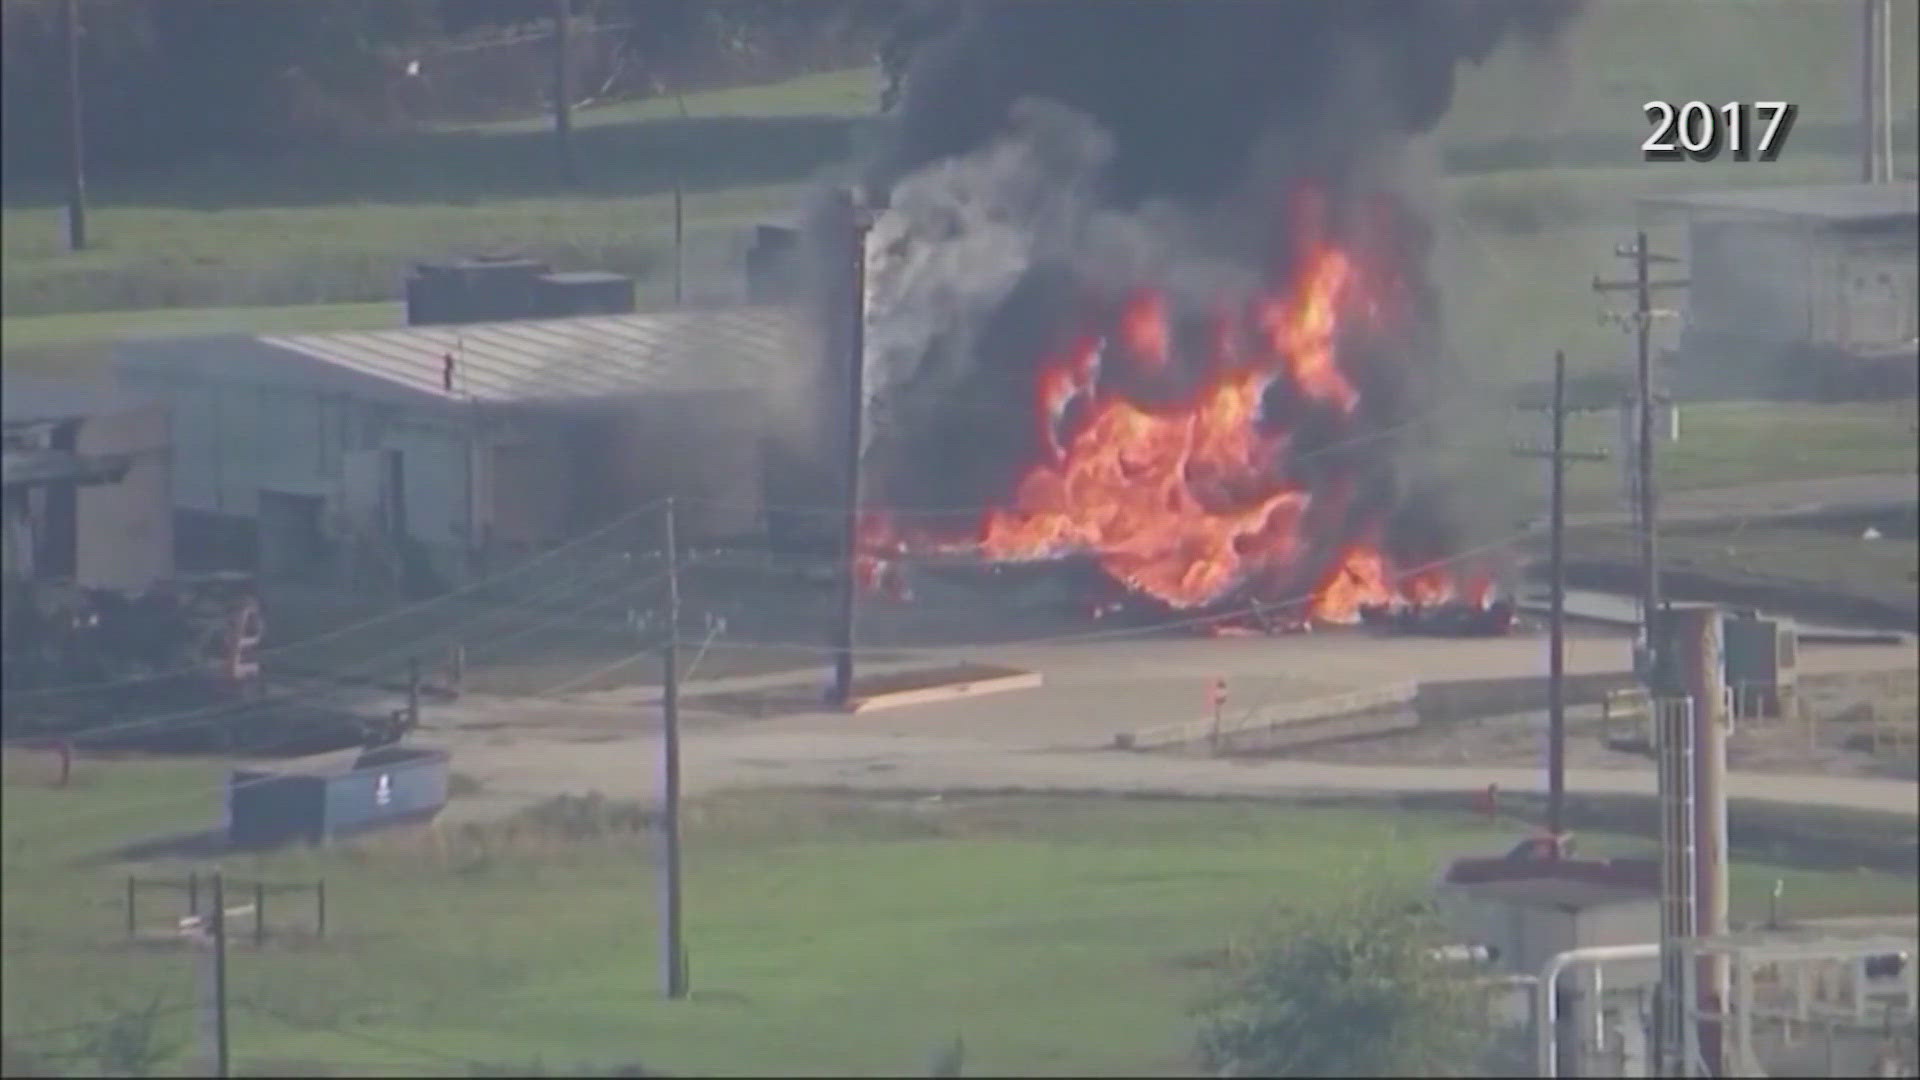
point(1544, 152)
point(1727, 443)
point(1833, 567)
point(1056, 936)
point(1722, 444)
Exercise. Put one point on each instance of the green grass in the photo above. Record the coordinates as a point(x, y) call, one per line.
point(339, 223)
point(30, 333)
point(1839, 568)
point(1722, 444)
point(342, 223)
point(1057, 936)
point(1741, 442)
point(1625, 52)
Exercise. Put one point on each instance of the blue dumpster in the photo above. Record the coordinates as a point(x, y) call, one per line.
point(389, 786)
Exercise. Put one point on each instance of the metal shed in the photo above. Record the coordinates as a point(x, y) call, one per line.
point(381, 788)
point(1794, 289)
point(465, 447)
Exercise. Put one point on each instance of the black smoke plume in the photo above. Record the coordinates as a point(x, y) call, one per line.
point(1187, 88)
point(1047, 153)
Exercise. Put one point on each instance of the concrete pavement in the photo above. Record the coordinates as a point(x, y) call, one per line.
point(1053, 738)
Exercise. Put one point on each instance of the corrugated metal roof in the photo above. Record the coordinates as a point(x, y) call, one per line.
point(34, 398)
point(574, 359)
point(1834, 203)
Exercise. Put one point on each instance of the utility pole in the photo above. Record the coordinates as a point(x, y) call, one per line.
point(672, 946)
point(563, 88)
point(1641, 320)
point(680, 216)
point(1876, 110)
point(1559, 455)
point(851, 222)
point(216, 925)
point(76, 156)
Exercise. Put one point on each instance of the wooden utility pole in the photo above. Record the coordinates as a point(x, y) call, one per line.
point(672, 945)
point(1558, 455)
point(1876, 110)
point(1645, 505)
point(216, 926)
point(563, 89)
point(76, 156)
point(851, 223)
point(680, 216)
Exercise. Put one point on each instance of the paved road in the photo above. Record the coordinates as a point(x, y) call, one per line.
point(1053, 738)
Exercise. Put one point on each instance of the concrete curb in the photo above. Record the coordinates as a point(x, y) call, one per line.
point(1262, 721)
point(927, 695)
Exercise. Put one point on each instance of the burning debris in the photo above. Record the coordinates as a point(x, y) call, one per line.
point(1181, 327)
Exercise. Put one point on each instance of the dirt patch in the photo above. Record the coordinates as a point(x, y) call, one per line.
point(761, 704)
point(1852, 728)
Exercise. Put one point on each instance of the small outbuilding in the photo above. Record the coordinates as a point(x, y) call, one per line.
point(1799, 290)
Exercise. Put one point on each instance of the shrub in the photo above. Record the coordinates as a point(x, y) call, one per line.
point(1352, 990)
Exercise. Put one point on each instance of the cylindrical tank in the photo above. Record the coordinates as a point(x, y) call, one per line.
point(1698, 663)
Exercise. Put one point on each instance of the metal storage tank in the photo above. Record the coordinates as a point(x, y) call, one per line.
point(381, 788)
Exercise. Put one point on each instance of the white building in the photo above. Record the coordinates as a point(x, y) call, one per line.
point(1798, 289)
point(458, 448)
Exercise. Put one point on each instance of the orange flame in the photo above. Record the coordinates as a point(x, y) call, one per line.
point(1188, 502)
point(1143, 327)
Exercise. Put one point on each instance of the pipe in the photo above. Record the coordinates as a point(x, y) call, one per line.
point(1546, 1035)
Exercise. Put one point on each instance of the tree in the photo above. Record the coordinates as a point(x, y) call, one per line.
point(1355, 989)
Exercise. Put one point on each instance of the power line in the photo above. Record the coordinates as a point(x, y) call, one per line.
point(386, 616)
point(293, 739)
point(1118, 633)
point(836, 510)
point(191, 718)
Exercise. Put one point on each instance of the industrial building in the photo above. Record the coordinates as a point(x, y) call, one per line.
point(1799, 291)
point(447, 449)
point(88, 485)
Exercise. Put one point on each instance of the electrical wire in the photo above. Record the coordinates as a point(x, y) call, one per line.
point(575, 682)
point(386, 616)
point(193, 718)
point(1118, 633)
point(971, 513)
